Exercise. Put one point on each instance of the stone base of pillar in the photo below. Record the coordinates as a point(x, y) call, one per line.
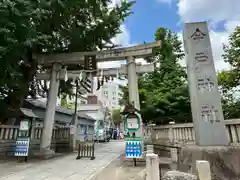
point(46, 154)
point(73, 144)
point(224, 160)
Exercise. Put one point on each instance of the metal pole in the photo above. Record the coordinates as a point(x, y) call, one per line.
point(75, 116)
point(76, 101)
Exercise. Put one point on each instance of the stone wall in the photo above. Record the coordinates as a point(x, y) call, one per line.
point(224, 161)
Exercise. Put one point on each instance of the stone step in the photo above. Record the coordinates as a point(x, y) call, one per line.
point(165, 160)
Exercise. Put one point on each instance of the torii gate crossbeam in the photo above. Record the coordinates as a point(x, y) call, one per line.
point(117, 54)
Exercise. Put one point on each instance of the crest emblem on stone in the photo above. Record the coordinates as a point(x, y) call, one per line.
point(198, 35)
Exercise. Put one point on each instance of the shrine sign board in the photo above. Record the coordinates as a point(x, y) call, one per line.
point(23, 140)
point(133, 148)
point(133, 138)
point(22, 146)
point(203, 87)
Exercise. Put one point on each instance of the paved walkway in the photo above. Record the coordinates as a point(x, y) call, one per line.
point(63, 168)
point(119, 170)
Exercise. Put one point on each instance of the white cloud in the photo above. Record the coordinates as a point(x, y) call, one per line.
point(217, 41)
point(215, 12)
point(113, 3)
point(230, 25)
point(122, 38)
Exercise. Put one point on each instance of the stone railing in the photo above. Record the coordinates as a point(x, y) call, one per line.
point(184, 133)
point(9, 134)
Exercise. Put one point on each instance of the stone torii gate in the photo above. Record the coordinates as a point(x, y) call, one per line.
point(56, 61)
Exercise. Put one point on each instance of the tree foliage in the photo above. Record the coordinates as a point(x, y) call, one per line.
point(164, 93)
point(116, 116)
point(229, 80)
point(232, 51)
point(28, 27)
point(64, 103)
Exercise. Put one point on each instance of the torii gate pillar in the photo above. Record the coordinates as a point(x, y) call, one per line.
point(133, 92)
point(46, 136)
point(133, 83)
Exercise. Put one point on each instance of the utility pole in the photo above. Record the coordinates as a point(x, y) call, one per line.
point(76, 102)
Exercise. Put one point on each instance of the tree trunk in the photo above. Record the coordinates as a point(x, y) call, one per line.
point(28, 69)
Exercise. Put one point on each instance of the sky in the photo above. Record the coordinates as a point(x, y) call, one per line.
point(148, 15)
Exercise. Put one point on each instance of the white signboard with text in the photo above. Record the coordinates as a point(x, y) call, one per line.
point(24, 125)
point(132, 123)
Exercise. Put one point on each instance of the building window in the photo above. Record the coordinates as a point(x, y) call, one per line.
point(114, 95)
point(105, 93)
point(83, 102)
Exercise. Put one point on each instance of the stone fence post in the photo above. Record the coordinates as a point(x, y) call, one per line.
point(150, 149)
point(174, 151)
point(152, 164)
point(203, 170)
point(170, 132)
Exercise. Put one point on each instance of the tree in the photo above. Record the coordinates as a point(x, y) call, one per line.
point(229, 81)
point(28, 27)
point(164, 93)
point(18, 34)
point(232, 56)
point(116, 116)
point(64, 103)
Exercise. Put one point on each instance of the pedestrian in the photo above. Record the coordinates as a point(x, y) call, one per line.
point(118, 134)
point(133, 135)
